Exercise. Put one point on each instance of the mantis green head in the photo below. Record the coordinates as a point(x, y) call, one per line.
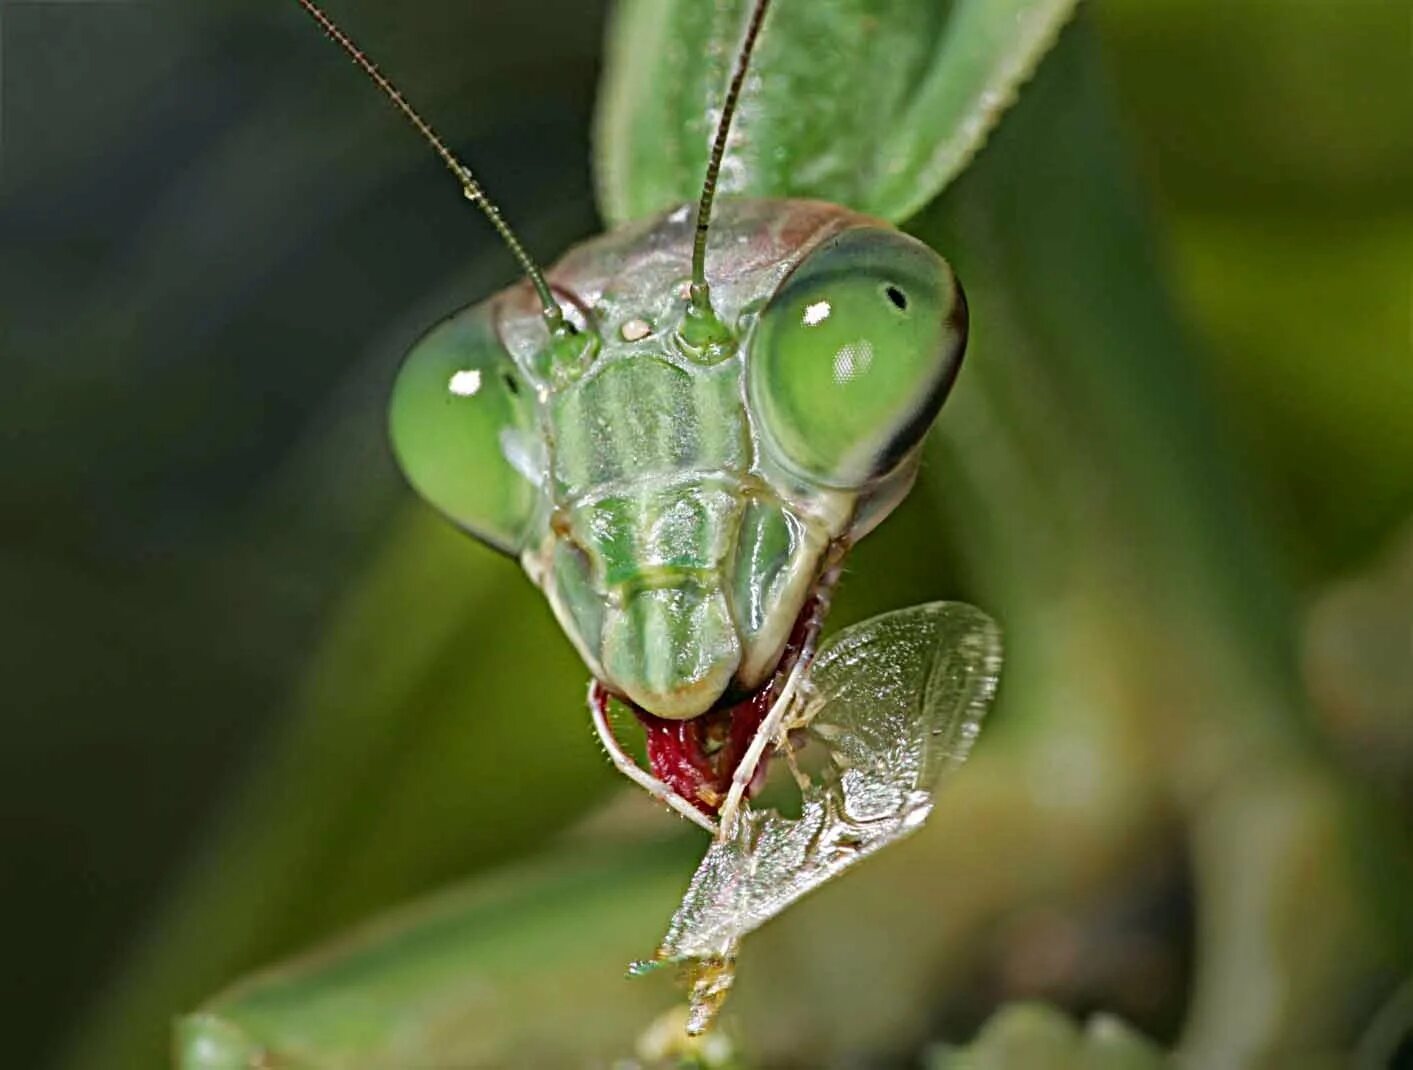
point(679, 504)
point(679, 430)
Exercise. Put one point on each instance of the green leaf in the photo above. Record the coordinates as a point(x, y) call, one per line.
point(503, 972)
point(1039, 1037)
point(876, 104)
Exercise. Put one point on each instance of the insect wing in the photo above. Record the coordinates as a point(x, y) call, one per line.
point(896, 702)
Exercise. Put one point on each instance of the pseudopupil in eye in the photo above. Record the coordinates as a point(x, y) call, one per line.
point(854, 354)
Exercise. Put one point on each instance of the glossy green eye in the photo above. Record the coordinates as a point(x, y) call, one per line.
point(463, 428)
point(854, 355)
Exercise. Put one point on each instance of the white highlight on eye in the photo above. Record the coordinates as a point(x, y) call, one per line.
point(816, 313)
point(853, 360)
point(465, 383)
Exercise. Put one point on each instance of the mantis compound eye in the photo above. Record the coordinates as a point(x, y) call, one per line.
point(854, 354)
point(463, 428)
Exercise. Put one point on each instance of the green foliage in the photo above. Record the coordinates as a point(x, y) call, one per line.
point(1037, 1037)
point(901, 94)
point(1287, 219)
point(504, 973)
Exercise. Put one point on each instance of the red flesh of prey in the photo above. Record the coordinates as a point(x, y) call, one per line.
point(698, 758)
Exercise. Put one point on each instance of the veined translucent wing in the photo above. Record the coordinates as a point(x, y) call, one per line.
point(896, 702)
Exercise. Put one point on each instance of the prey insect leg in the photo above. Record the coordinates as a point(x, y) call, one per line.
point(773, 729)
point(768, 733)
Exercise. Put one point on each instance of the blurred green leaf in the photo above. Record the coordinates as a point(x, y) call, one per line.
point(1297, 106)
point(876, 104)
point(486, 976)
point(1109, 504)
point(1307, 318)
point(1291, 930)
point(1277, 138)
point(1356, 663)
point(1037, 1037)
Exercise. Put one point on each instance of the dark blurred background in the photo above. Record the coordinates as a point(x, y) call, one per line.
point(215, 243)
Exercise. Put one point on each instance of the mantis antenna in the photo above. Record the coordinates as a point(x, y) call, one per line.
point(701, 298)
point(554, 317)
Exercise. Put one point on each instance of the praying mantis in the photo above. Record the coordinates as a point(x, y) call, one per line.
point(680, 458)
point(1078, 501)
point(778, 394)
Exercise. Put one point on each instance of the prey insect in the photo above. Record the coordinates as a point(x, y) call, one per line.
point(679, 429)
